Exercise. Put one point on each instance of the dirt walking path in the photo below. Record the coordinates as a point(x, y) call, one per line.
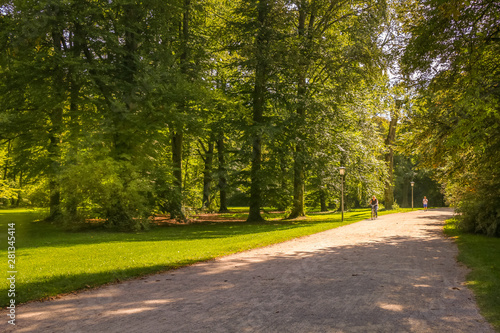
point(395, 274)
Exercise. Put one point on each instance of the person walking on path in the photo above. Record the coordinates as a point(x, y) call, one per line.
point(425, 201)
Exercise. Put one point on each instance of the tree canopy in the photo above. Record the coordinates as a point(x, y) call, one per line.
point(452, 63)
point(124, 109)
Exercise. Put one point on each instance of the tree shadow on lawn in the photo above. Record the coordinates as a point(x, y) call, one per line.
point(56, 287)
point(40, 234)
point(417, 288)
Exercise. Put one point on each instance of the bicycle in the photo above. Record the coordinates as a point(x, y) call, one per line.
point(374, 213)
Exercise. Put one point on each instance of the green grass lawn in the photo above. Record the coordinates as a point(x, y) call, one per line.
point(482, 255)
point(51, 261)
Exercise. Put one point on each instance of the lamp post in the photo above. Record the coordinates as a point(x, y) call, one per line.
point(412, 184)
point(342, 173)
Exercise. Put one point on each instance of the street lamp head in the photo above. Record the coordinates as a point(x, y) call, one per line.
point(342, 171)
point(412, 183)
point(399, 101)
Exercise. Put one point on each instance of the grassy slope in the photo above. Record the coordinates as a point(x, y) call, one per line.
point(50, 261)
point(482, 255)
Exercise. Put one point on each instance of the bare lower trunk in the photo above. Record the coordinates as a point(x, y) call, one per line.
point(19, 196)
point(322, 199)
point(176, 209)
point(406, 194)
point(389, 159)
point(282, 203)
point(54, 169)
point(255, 187)
point(207, 175)
point(222, 175)
point(298, 186)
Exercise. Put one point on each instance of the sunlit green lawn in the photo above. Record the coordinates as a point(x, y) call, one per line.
point(50, 261)
point(482, 255)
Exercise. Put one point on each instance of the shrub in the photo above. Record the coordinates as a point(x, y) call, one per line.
point(109, 189)
point(480, 212)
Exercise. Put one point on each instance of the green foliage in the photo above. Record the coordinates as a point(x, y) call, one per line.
point(95, 96)
point(453, 56)
point(480, 212)
point(109, 189)
point(8, 190)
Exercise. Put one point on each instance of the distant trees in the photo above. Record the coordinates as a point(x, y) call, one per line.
point(123, 109)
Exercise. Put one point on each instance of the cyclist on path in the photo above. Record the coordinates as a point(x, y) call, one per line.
point(374, 204)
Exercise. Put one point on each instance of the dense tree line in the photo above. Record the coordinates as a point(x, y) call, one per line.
point(452, 65)
point(122, 109)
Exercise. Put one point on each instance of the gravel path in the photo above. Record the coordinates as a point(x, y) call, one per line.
point(395, 274)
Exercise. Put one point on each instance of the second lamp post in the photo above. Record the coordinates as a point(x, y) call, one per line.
point(412, 184)
point(342, 173)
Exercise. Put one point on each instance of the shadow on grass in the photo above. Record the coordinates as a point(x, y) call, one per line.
point(60, 285)
point(41, 234)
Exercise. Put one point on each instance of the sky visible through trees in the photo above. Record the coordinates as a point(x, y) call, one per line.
point(123, 109)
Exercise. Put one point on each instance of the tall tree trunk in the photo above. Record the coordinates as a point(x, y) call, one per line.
point(72, 201)
point(305, 39)
point(222, 175)
point(298, 184)
point(255, 187)
point(282, 203)
point(207, 173)
point(389, 159)
point(298, 165)
point(54, 168)
point(176, 206)
point(19, 195)
point(117, 212)
point(6, 167)
point(56, 120)
point(258, 111)
point(406, 194)
point(322, 199)
point(14, 175)
point(176, 209)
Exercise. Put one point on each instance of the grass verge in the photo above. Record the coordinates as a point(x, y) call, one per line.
point(482, 255)
point(51, 261)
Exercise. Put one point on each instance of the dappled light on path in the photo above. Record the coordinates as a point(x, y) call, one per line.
point(390, 307)
point(395, 274)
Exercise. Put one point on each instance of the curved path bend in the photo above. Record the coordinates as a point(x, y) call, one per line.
point(395, 274)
